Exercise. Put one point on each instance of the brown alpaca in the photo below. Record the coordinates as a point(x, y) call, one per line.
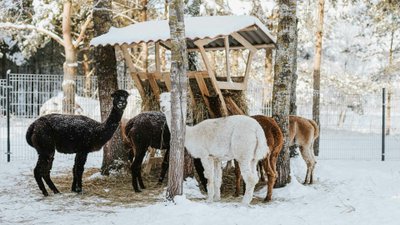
point(303, 132)
point(275, 141)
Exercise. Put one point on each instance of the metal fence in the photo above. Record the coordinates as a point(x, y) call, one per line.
point(351, 125)
point(31, 93)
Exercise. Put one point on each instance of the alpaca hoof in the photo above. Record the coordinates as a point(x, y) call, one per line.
point(56, 192)
point(267, 199)
point(78, 190)
point(138, 190)
point(45, 194)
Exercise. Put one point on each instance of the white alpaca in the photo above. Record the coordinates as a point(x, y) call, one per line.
point(215, 140)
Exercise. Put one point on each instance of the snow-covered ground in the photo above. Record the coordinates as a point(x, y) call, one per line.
point(345, 192)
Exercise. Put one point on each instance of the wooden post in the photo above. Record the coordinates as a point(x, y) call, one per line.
point(228, 67)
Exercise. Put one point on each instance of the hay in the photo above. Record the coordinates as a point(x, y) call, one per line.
point(117, 189)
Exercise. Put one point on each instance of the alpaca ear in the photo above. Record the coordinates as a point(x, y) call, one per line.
point(113, 95)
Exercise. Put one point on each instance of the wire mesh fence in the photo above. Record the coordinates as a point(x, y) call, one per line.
point(351, 124)
point(32, 95)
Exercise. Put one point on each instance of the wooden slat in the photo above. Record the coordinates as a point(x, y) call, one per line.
point(243, 41)
point(137, 82)
point(200, 44)
point(162, 75)
point(154, 86)
point(233, 107)
point(248, 68)
point(167, 80)
point(204, 92)
point(227, 65)
point(157, 56)
point(202, 85)
point(231, 85)
point(262, 46)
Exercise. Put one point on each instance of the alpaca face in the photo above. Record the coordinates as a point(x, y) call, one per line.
point(165, 102)
point(120, 98)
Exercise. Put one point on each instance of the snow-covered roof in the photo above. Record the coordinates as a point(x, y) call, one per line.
point(195, 28)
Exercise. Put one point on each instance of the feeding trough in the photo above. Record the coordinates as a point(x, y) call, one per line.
point(203, 34)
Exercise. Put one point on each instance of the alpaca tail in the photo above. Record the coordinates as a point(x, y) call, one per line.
point(29, 133)
point(316, 129)
point(262, 149)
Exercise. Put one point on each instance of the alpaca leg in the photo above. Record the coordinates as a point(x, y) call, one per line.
point(218, 180)
point(200, 171)
point(208, 165)
point(136, 166)
point(140, 180)
point(164, 167)
point(79, 167)
point(313, 162)
point(261, 170)
point(39, 171)
point(304, 150)
point(271, 178)
point(250, 177)
point(238, 178)
point(47, 176)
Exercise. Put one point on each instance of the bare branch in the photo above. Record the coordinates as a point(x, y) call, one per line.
point(12, 26)
point(83, 30)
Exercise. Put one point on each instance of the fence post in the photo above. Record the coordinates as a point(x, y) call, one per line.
point(8, 87)
point(383, 122)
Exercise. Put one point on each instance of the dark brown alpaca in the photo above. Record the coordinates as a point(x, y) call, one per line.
point(71, 134)
point(147, 129)
point(150, 129)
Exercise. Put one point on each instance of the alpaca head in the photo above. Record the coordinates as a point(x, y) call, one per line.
point(165, 102)
point(120, 99)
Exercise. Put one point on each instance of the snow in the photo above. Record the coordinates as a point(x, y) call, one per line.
point(195, 28)
point(345, 192)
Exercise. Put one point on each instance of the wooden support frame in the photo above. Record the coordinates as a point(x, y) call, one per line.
point(200, 44)
point(252, 49)
point(137, 82)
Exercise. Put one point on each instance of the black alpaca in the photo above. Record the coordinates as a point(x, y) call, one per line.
point(71, 134)
point(149, 129)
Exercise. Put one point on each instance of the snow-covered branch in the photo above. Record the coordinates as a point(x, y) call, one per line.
point(13, 26)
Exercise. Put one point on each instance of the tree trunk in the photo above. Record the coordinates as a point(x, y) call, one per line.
point(293, 85)
point(106, 72)
point(178, 98)
point(389, 92)
point(282, 81)
point(71, 61)
point(317, 70)
point(88, 74)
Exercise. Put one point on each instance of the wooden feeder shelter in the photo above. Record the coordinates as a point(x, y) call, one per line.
point(203, 34)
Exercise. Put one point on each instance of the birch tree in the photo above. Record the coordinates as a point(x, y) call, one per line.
point(65, 39)
point(282, 81)
point(317, 70)
point(178, 98)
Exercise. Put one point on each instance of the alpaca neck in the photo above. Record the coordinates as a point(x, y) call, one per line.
point(108, 127)
point(188, 131)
